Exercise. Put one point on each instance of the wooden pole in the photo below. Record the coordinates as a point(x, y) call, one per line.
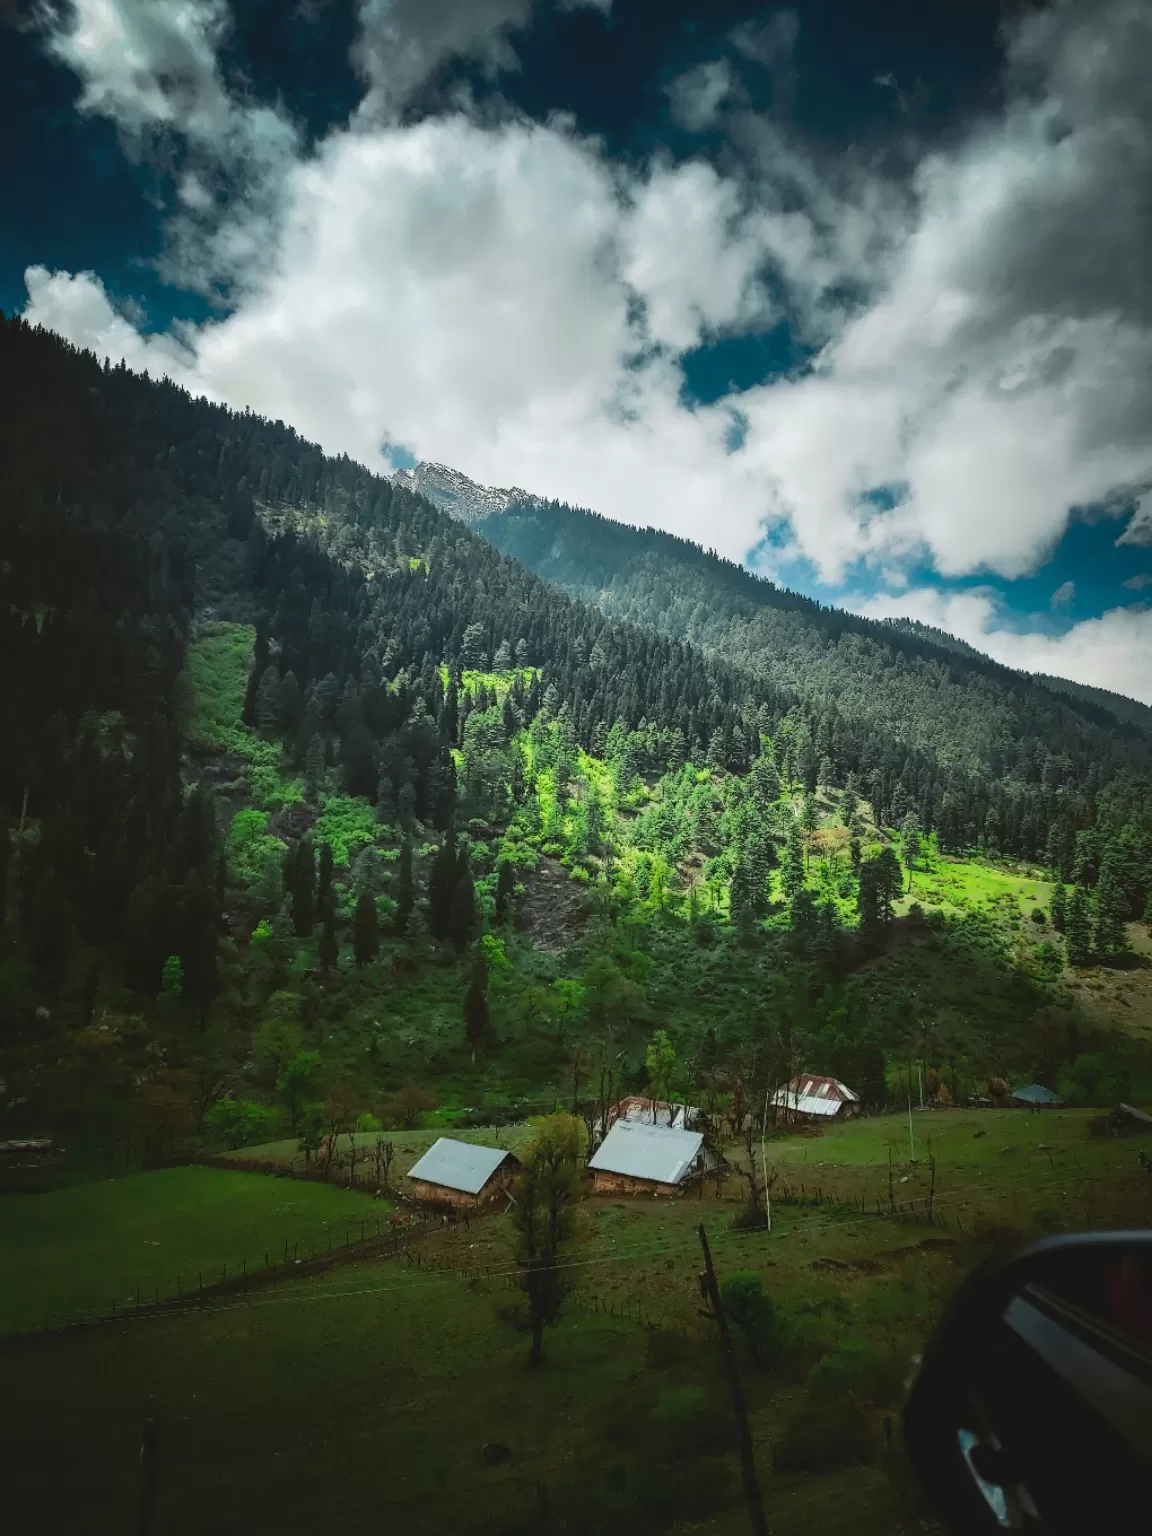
point(752, 1496)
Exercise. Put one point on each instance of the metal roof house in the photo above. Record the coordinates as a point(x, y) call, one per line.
point(815, 1098)
point(461, 1173)
point(645, 1159)
point(1036, 1096)
point(642, 1111)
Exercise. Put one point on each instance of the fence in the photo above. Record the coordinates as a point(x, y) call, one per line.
point(924, 1212)
point(374, 1237)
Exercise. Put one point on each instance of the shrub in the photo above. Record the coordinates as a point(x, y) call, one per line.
point(872, 1375)
point(825, 1434)
point(1038, 917)
point(240, 1122)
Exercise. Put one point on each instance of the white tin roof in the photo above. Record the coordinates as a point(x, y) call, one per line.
point(641, 1151)
point(458, 1165)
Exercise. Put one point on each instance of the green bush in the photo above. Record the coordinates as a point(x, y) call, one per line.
point(826, 1434)
point(241, 1123)
point(872, 1375)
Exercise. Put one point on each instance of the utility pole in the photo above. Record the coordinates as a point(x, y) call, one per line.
point(764, 1161)
point(911, 1138)
point(711, 1292)
point(920, 1078)
point(149, 1473)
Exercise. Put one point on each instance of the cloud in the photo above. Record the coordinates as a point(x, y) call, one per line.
point(500, 296)
point(695, 97)
point(1140, 582)
point(1139, 529)
point(1063, 594)
point(151, 67)
point(1108, 652)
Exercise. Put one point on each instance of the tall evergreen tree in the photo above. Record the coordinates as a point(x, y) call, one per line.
point(300, 883)
point(1111, 911)
point(329, 943)
point(365, 929)
point(477, 1023)
point(314, 767)
point(1078, 927)
point(324, 876)
point(462, 916)
point(1059, 909)
point(405, 889)
point(441, 886)
point(792, 871)
point(505, 887)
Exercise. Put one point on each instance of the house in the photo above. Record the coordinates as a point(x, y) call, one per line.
point(1035, 1096)
point(638, 1110)
point(462, 1174)
point(815, 1098)
point(645, 1159)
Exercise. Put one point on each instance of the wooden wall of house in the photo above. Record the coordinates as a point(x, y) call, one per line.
point(623, 1184)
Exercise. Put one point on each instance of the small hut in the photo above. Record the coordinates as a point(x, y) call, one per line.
point(462, 1174)
point(815, 1098)
point(639, 1159)
point(1035, 1096)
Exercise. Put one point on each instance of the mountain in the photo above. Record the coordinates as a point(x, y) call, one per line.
point(301, 770)
point(455, 494)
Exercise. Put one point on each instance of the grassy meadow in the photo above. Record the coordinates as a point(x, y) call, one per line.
point(149, 1231)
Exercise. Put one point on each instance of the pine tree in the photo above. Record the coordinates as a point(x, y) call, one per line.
point(911, 838)
point(792, 874)
point(405, 889)
point(1148, 912)
point(441, 886)
point(505, 887)
point(462, 916)
point(1059, 911)
point(314, 767)
point(365, 929)
point(324, 877)
point(477, 1024)
point(300, 881)
point(329, 944)
point(1078, 930)
point(1111, 912)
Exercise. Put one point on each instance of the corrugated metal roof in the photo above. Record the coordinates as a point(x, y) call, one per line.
point(458, 1165)
point(647, 1152)
point(1035, 1093)
point(636, 1108)
point(805, 1103)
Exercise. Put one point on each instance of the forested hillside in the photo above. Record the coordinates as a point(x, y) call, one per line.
point(314, 802)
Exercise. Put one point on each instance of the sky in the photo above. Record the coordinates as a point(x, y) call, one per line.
point(860, 295)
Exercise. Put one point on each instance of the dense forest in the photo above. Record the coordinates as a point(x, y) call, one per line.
point(312, 795)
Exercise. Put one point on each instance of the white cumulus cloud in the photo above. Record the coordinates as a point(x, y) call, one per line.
point(501, 296)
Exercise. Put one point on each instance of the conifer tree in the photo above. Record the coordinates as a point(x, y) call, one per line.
point(324, 877)
point(365, 929)
point(792, 874)
point(1111, 912)
point(329, 944)
point(1059, 910)
point(505, 886)
point(314, 767)
point(441, 886)
point(405, 889)
point(462, 914)
point(300, 882)
point(1078, 928)
point(477, 1023)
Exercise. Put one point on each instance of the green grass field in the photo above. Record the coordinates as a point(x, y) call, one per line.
point(150, 1230)
point(956, 884)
